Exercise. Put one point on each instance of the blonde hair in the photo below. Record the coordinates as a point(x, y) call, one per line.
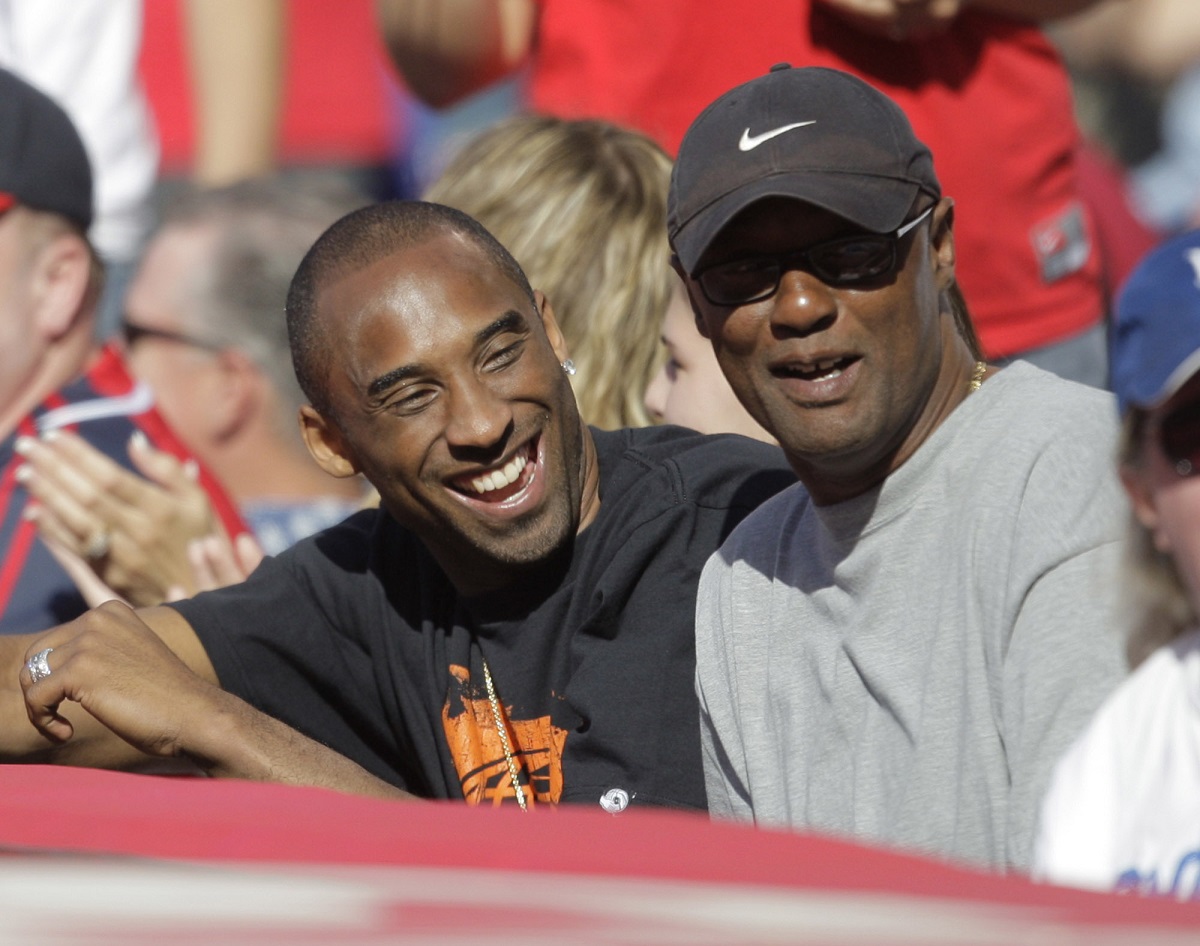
point(1159, 609)
point(582, 205)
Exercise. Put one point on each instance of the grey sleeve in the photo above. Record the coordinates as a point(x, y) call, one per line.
point(720, 738)
point(1065, 655)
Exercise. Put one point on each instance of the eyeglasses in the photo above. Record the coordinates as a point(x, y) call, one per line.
point(848, 261)
point(1179, 435)
point(134, 333)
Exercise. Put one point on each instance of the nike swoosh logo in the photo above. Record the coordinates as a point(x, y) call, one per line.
point(750, 142)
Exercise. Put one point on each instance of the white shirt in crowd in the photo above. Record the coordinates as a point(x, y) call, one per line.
point(1123, 808)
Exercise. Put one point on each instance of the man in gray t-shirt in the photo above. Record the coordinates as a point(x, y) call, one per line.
point(898, 648)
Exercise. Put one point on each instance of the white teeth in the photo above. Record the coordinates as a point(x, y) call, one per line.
point(827, 367)
point(497, 479)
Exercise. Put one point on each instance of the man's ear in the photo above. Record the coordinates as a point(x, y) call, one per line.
point(240, 391)
point(326, 444)
point(941, 242)
point(550, 324)
point(59, 284)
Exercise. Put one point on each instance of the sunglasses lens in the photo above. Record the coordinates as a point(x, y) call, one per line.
point(845, 262)
point(737, 282)
point(130, 333)
point(1180, 433)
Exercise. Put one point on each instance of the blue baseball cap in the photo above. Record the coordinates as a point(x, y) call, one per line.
point(1156, 338)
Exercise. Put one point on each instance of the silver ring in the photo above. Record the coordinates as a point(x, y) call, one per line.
point(39, 669)
point(98, 545)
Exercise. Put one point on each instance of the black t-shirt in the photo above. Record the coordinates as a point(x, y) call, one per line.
point(356, 638)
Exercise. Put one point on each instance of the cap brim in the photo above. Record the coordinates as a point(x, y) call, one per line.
point(878, 205)
point(1176, 380)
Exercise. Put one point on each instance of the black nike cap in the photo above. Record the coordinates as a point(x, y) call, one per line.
point(819, 135)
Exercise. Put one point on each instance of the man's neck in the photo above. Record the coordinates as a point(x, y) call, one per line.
point(58, 368)
point(589, 477)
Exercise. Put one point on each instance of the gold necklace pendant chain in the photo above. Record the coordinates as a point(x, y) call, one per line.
point(977, 374)
point(500, 728)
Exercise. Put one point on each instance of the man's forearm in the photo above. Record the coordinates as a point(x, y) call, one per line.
point(234, 740)
point(124, 689)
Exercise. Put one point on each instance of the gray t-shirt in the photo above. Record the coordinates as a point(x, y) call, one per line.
point(904, 668)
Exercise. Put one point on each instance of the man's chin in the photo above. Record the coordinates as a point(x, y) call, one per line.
point(531, 543)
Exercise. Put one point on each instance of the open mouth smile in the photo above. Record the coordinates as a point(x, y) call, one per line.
point(506, 485)
point(825, 369)
point(818, 381)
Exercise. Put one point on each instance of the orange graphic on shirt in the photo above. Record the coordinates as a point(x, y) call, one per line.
point(537, 747)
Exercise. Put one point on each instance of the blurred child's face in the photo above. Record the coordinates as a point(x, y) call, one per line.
point(1165, 488)
point(690, 389)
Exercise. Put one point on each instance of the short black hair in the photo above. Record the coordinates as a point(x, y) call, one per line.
point(356, 241)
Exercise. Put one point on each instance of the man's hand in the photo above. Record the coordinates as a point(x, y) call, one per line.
point(898, 19)
point(216, 562)
point(916, 19)
point(449, 49)
point(114, 666)
point(144, 523)
point(125, 688)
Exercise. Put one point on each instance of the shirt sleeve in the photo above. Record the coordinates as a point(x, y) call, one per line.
point(293, 641)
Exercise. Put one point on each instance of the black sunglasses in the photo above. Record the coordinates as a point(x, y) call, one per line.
point(1179, 435)
point(848, 261)
point(134, 333)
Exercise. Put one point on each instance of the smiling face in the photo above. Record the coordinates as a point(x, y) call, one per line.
point(850, 380)
point(447, 393)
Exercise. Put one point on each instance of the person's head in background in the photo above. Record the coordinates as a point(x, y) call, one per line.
point(690, 388)
point(582, 205)
point(205, 327)
point(1156, 377)
point(50, 277)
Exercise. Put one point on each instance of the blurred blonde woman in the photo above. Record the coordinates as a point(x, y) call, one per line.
point(582, 205)
point(1123, 810)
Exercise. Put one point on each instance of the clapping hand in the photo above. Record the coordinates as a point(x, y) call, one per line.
point(898, 19)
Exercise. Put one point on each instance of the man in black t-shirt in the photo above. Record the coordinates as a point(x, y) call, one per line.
point(514, 623)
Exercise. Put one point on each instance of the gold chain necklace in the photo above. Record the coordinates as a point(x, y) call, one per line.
point(500, 728)
point(977, 374)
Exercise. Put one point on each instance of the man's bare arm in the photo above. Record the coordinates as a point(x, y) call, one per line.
point(237, 56)
point(1037, 10)
point(914, 19)
point(448, 49)
point(127, 687)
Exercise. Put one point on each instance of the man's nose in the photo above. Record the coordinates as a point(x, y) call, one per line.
point(803, 304)
point(479, 417)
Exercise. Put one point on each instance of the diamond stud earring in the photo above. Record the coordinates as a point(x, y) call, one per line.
point(569, 367)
